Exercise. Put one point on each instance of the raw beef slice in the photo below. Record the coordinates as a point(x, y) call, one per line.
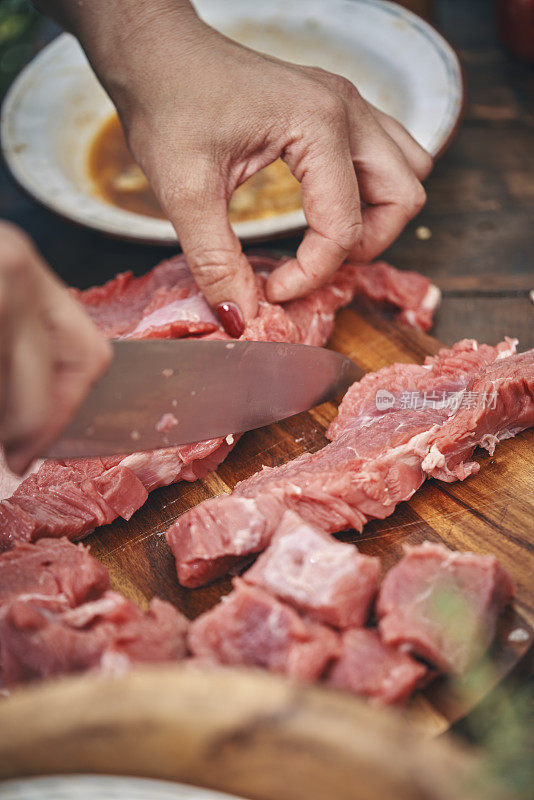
point(371, 668)
point(51, 570)
point(249, 627)
point(71, 498)
point(328, 580)
point(58, 616)
point(374, 462)
point(443, 605)
point(498, 405)
point(416, 386)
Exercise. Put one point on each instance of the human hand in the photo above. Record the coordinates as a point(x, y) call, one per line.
point(202, 114)
point(50, 351)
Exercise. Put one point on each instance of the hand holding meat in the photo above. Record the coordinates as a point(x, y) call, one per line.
point(50, 352)
point(202, 114)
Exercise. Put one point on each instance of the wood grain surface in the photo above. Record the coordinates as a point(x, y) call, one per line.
point(491, 512)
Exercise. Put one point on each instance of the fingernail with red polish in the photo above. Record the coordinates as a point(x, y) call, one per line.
point(231, 319)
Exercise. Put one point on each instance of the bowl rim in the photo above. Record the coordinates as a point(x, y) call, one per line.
point(250, 231)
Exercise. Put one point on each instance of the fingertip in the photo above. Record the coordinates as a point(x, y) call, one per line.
point(283, 283)
point(317, 259)
point(19, 460)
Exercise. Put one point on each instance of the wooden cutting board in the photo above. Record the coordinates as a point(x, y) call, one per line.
point(491, 512)
point(239, 731)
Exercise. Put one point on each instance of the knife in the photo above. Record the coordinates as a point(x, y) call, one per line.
point(163, 393)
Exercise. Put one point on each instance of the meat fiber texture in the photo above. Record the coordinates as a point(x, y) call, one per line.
point(498, 404)
point(434, 383)
point(71, 498)
point(376, 459)
point(53, 572)
point(250, 627)
point(329, 581)
point(58, 616)
point(369, 667)
point(442, 605)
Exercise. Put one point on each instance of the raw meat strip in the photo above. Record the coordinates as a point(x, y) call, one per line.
point(51, 569)
point(364, 473)
point(165, 303)
point(432, 383)
point(328, 580)
point(498, 405)
point(443, 605)
point(371, 668)
point(341, 486)
point(57, 615)
point(415, 299)
point(71, 498)
point(310, 320)
point(250, 627)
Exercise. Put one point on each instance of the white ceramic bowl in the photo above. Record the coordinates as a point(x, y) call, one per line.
point(399, 63)
point(103, 787)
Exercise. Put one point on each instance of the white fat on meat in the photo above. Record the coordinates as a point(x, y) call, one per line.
point(432, 298)
point(303, 557)
point(511, 349)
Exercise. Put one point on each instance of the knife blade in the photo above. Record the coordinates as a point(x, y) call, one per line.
point(163, 393)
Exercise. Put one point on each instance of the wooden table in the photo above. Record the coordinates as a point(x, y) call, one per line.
point(480, 207)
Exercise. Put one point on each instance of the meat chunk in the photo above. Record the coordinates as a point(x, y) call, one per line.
point(37, 644)
point(57, 616)
point(371, 668)
point(325, 579)
point(252, 628)
point(109, 634)
point(53, 569)
point(370, 466)
point(208, 545)
point(443, 605)
point(152, 637)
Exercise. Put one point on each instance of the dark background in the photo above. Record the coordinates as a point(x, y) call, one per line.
point(480, 207)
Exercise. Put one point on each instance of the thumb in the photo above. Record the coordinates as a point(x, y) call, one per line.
point(213, 251)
